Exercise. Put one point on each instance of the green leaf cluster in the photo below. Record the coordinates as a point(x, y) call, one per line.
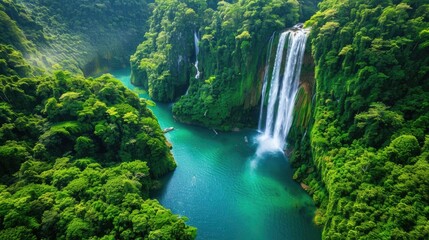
point(84, 37)
point(162, 63)
point(80, 199)
point(78, 158)
point(369, 137)
point(88, 117)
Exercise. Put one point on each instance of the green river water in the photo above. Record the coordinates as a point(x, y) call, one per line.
point(228, 191)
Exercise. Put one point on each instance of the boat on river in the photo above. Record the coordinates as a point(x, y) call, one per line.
point(169, 129)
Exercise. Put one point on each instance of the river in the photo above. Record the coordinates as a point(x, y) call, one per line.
point(225, 189)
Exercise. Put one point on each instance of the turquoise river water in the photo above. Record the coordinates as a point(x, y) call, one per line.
point(228, 191)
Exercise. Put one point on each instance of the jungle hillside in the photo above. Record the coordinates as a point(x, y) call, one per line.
point(81, 154)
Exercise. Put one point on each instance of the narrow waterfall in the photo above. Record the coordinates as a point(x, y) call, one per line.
point(282, 89)
point(264, 87)
point(197, 50)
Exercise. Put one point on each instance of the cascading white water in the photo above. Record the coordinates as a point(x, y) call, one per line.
point(264, 87)
point(197, 50)
point(282, 90)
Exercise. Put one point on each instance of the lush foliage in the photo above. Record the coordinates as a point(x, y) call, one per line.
point(83, 153)
point(80, 36)
point(12, 62)
point(233, 37)
point(96, 118)
point(162, 62)
point(78, 156)
point(370, 134)
point(79, 199)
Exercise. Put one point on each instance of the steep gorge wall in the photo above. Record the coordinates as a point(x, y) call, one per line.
point(80, 36)
point(369, 139)
point(233, 42)
point(162, 63)
point(304, 100)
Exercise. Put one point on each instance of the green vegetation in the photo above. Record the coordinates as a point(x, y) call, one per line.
point(78, 157)
point(370, 135)
point(233, 38)
point(80, 36)
point(162, 62)
point(13, 63)
point(79, 199)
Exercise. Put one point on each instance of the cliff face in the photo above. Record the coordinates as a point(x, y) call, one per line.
point(162, 63)
point(299, 147)
point(369, 138)
point(85, 38)
point(232, 47)
point(304, 101)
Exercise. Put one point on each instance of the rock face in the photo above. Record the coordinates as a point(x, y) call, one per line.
point(372, 95)
point(303, 103)
point(231, 58)
point(163, 62)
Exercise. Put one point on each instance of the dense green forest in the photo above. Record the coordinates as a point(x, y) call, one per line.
point(370, 135)
point(366, 155)
point(80, 36)
point(233, 37)
point(79, 156)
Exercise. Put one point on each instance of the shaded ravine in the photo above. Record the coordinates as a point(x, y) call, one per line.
point(226, 190)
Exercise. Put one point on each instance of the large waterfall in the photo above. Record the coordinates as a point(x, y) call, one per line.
point(197, 50)
point(281, 90)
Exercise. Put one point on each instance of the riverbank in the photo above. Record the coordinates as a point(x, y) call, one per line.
point(225, 189)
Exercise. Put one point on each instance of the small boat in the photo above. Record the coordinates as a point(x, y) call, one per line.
point(169, 129)
point(245, 139)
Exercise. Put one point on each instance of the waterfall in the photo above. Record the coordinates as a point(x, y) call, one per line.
point(282, 89)
point(197, 50)
point(264, 87)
